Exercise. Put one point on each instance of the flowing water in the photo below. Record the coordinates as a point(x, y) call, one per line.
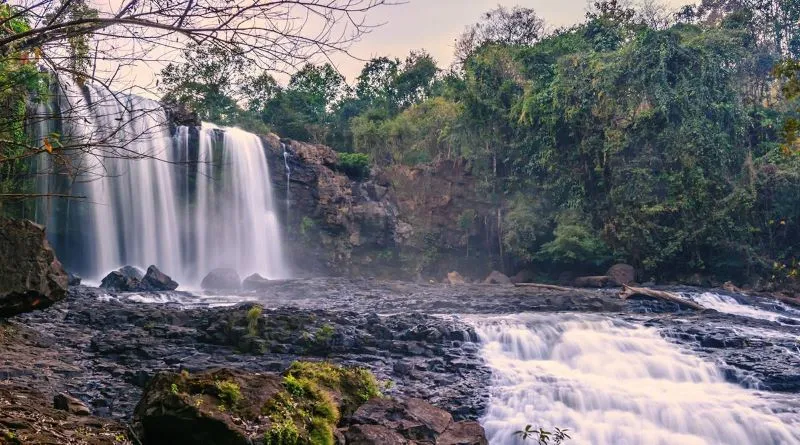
point(616, 383)
point(155, 198)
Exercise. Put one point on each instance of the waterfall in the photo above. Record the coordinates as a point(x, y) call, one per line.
point(288, 178)
point(155, 198)
point(612, 382)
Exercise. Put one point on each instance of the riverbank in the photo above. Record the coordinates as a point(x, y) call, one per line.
point(103, 347)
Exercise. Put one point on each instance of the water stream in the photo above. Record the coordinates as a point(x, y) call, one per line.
point(613, 382)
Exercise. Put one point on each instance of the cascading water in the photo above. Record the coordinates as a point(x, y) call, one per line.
point(288, 178)
point(611, 382)
point(152, 198)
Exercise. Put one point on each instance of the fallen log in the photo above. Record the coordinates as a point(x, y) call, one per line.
point(544, 286)
point(629, 291)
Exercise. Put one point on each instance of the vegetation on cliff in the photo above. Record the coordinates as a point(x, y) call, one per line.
point(654, 137)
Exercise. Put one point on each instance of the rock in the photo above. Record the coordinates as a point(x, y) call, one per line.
point(414, 420)
point(202, 408)
point(119, 281)
point(455, 278)
point(622, 274)
point(255, 282)
point(154, 279)
point(730, 287)
point(497, 278)
point(27, 417)
point(566, 278)
point(523, 276)
point(30, 275)
point(73, 279)
point(222, 279)
point(373, 435)
point(597, 281)
point(463, 433)
point(66, 402)
point(131, 271)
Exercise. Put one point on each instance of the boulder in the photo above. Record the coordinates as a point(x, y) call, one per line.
point(255, 282)
point(73, 279)
point(219, 406)
point(30, 275)
point(497, 278)
point(622, 274)
point(125, 279)
point(730, 287)
point(523, 276)
point(373, 435)
point(72, 405)
point(596, 281)
point(455, 278)
point(222, 279)
point(154, 279)
point(414, 420)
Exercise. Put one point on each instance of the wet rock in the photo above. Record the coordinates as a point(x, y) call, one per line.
point(596, 282)
point(132, 272)
point(497, 278)
point(73, 279)
point(119, 281)
point(66, 402)
point(255, 282)
point(463, 433)
point(621, 274)
point(156, 280)
point(31, 277)
point(455, 278)
point(222, 279)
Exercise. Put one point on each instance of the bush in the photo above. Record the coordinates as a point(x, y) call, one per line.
point(354, 165)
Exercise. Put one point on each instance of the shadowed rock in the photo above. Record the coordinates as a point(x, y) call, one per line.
point(154, 279)
point(255, 282)
point(30, 275)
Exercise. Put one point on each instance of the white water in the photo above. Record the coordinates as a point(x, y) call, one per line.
point(143, 209)
point(614, 383)
point(729, 305)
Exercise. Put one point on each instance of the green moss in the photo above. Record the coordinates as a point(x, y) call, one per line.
point(356, 385)
point(306, 412)
point(229, 393)
point(354, 165)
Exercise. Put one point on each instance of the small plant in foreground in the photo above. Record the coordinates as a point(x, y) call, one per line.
point(542, 436)
point(253, 315)
point(229, 393)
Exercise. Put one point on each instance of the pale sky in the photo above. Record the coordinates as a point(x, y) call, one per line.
point(433, 25)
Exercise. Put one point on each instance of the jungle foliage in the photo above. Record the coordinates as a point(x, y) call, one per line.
point(659, 138)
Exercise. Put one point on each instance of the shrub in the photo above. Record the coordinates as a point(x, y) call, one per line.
point(354, 165)
point(253, 315)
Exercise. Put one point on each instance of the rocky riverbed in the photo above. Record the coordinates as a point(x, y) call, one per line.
point(103, 347)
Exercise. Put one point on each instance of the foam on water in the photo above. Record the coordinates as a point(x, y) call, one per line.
point(615, 383)
point(729, 305)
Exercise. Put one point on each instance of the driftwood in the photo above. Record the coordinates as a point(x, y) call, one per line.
point(629, 291)
point(544, 286)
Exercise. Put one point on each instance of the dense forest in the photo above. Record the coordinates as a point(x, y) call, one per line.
point(665, 139)
point(659, 138)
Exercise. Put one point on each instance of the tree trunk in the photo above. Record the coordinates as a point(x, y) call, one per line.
point(629, 291)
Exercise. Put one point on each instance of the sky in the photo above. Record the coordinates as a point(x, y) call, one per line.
point(434, 25)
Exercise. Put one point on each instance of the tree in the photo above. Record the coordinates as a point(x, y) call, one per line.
point(80, 42)
point(503, 26)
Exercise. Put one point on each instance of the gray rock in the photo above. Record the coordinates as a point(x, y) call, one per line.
point(621, 274)
point(255, 282)
point(497, 278)
point(72, 405)
point(31, 277)
point(154, 279)
point(222, 279)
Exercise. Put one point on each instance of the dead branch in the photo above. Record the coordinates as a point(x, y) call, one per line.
point(630, 291)
point(544, 286)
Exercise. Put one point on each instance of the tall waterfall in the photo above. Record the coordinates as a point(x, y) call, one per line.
point(610, 382)
point(156, 198)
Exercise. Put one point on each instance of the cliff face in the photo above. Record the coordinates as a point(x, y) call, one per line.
point(400, 223)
